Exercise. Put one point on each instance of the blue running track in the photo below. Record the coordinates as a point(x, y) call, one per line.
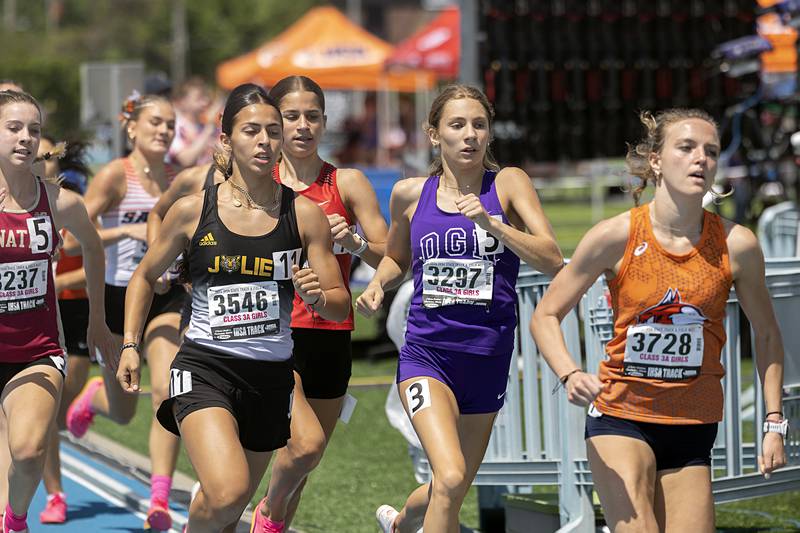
point(99, 498)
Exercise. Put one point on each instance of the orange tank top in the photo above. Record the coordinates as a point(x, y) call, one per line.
point(663, 364)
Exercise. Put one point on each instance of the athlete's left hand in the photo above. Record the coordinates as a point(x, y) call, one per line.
point(99, 337)
point(471, 207)
point(129, 371)
point(306, 283)
point(340, 232)
point(162, 285)
point(773, 455)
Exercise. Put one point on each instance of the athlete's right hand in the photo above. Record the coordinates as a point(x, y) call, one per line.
point(136, 231)
point(306, 284)
point(583, 388)
point(370, 300)
point(128, 371)
point(100, 339)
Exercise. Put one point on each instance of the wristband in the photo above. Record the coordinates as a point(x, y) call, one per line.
point(562, 381)
point(361, 247)
point(134, 345)
point(780, 413)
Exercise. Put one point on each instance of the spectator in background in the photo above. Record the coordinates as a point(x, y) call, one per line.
point(195, 126)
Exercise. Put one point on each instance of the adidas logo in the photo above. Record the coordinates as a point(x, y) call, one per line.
point(208, 240)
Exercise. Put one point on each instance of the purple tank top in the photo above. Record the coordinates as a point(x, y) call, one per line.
point(464, 278)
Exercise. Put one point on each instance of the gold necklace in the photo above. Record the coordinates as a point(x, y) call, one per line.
point(251, 204)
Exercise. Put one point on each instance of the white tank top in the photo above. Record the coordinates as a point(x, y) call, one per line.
point(124, 256)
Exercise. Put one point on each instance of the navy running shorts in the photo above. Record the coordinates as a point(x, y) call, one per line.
point(674, 446)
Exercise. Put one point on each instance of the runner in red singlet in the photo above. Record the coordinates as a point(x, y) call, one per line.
point(322, 353)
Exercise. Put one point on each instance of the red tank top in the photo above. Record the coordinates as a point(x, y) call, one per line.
point(325, 193)
point(68, 263)
point(29, 323)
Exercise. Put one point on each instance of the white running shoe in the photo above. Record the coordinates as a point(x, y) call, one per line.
point(386, 515)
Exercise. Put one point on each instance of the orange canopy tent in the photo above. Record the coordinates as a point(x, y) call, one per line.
point(436, 47)
point(325, 46)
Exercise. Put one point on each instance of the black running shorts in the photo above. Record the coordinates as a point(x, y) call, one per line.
point(257, 393)
point(674, 446)
point(74, 323)
point(9, 370)
point(169, 302)
point(324, 360)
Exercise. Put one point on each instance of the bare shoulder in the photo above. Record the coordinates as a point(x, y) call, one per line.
point(350, 177)
point(195, 173)
point(112, 172)
point(743, 245)
point(738, 237)
point(306, 208)
point(610, 234)
point(63, 199)
point(512, 175)
point(408, 189)
point(187, 208)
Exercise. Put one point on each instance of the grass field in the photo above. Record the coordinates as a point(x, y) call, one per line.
point(367, 463)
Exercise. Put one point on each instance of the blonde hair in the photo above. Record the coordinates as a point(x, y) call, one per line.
point(455, 92)
point(637, 161)
point(134, 104)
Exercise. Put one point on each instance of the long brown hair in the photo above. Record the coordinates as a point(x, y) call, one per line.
point(637, 161)
point(455, 92)
point(293, 84)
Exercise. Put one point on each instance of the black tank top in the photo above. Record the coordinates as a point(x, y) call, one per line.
point(210, 176)
point(242, 287)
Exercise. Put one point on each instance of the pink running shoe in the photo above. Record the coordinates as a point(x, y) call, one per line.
point(79, 414)
point(158, 517)
point(262, 524)
point(55, 510)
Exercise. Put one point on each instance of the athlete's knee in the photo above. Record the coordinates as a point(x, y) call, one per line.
point(450, 483)
point(226, 501)
point(122, 413)
point(28, 455)
point(159, 393)
point(306, 453)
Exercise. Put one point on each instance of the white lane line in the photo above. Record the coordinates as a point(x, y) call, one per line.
point(93, 479)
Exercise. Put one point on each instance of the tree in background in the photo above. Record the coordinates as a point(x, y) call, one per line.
point(45, 41)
